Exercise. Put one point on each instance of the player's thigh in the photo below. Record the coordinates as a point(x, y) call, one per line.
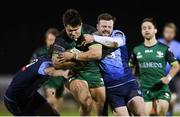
point(137, 106)
point(121, 111)
point(162, 106)
point(148, 108)
point(98, 94)
point(80, 89)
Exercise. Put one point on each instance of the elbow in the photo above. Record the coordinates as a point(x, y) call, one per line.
point(96, 55)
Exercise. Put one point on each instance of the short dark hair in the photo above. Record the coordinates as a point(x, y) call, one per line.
point(72, 17)
point(150, 19)
point(106, 16)
point(53, 31)
point(171, 25)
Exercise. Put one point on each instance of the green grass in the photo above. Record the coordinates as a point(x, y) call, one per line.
point(71, 113)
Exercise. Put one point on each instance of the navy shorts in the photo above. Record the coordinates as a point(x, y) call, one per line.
point(29, 106)
point(121, 95)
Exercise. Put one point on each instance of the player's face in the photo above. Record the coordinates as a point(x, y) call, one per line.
point(105, 27)
point(169, 33)
point(148, 30)
point(73, 32)
point(50, 39)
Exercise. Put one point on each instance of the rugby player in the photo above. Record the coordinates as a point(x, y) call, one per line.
point(152, 57)
point(21, 97)
point(169, 34)
point(123, 91)
point(54, 87)
point(87, 86)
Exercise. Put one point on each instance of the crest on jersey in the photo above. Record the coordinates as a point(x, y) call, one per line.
point(160, 54)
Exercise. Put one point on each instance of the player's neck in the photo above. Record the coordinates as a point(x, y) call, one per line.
point(167, 42)
point(150, 42)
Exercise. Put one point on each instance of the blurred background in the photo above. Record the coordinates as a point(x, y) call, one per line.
point(23, 25)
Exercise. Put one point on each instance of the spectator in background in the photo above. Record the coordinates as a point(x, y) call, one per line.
point(54, 87)
point(169, 34)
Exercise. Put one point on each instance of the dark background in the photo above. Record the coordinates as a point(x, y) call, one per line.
point(23, 24)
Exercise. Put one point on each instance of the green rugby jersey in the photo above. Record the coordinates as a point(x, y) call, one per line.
point(151, 62)
point(64, 42)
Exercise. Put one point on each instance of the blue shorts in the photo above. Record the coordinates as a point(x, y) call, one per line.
point(29, 106)
point(121, 95)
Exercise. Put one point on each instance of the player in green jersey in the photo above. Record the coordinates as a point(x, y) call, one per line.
point(151, 58)
point(87, 86)
point(54, 87)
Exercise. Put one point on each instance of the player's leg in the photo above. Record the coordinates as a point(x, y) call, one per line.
point(172, 103)
point(121, 111)
point(137, 106)
point(148, 107)
point(40, 106)
point(134, 99)
point(80, 90)
point(99, 97)
point(161, 107)
point(53, 99)
point(12, 107)
point(54, 89)
point(115, 97)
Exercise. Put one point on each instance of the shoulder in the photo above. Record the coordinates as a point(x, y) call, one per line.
point(138, 47)
point(118, 33)
point(162, 45)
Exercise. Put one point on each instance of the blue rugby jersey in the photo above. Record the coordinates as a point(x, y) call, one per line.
point(174, 47)
point(114, 64)
point(28, 79)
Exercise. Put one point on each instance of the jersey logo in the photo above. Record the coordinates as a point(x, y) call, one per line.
point(159, 54)
point(139, 55)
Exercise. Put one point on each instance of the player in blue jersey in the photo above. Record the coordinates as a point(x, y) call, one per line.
point(22, 98)
point(169, 33)
point(123, 92)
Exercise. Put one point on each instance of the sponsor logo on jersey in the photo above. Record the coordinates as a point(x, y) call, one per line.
point(150, 65)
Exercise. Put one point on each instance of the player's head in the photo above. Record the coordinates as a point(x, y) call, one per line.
point(169, 31)
point(105, 24)
point(50, 36)
point(148, 28)
point(73, 23)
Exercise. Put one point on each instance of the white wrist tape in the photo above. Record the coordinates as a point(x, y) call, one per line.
point(169, 77)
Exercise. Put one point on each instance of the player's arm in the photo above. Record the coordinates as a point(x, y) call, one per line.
point(174, 67)
point(57, 49)
point(94, 53)
point(117, 39)
point(51, 71)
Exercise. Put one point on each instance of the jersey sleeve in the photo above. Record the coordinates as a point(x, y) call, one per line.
point(133, 60)
point(120, 35)
point(170, 57)
point(58, 46)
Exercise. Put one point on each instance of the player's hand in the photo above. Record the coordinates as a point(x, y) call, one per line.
point(67, 74)
point(165, 80)
point(87, 39)
point(65, 56)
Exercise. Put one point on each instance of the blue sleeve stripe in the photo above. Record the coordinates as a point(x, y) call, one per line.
point(43, 66)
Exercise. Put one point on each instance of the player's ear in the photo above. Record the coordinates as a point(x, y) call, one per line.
point(155, 30)
point(97, 26)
